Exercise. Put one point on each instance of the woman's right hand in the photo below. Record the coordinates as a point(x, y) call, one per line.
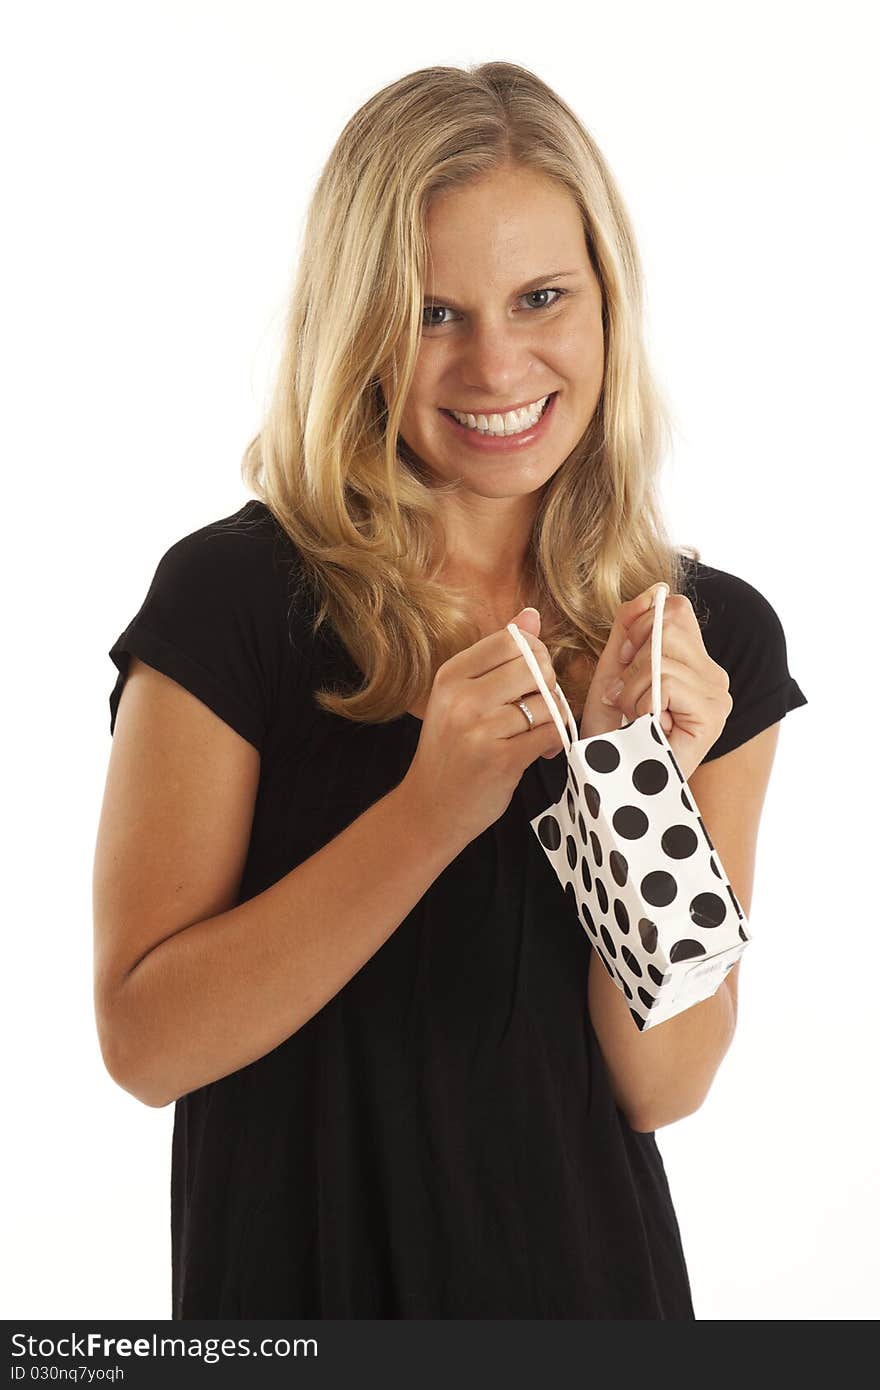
point(475, 744)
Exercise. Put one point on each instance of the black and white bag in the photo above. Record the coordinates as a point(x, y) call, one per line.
point(629, 847)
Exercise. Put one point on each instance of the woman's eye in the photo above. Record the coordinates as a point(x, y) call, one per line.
point(433, 309)
point(530, 294)
point(544, 306)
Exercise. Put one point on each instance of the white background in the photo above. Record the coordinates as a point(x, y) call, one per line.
point(158, 162)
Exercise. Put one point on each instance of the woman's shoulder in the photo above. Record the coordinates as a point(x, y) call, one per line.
point(244, 563)
point(249, 542)
point(725, 602)
point(743, 632)
point(224, 616)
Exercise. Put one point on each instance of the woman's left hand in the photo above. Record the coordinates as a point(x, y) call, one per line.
point(695, 696)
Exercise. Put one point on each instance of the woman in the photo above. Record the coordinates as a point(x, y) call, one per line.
point(323, 925)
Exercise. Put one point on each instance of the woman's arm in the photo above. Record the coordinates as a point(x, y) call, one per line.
point(663, 1074)
point(189, 988)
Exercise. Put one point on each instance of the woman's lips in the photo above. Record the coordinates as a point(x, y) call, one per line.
point(503, 443)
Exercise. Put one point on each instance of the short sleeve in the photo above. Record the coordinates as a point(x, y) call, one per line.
point(743, 633)
point(213, 620)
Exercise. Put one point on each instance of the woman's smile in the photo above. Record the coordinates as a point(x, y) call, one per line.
point(481, 434)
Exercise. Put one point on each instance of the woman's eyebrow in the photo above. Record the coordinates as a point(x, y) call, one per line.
point(535, 283)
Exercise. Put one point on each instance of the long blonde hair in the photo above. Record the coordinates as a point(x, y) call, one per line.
point(328, 461)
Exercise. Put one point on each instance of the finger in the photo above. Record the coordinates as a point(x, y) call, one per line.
point(513, 681)
point(493, 651)
point(674, 642)
point(511, 722)
point(677, 612)
point(628, 614)
point(678, 676)
point(679, 643)
point(688, 705)
point(523, 671)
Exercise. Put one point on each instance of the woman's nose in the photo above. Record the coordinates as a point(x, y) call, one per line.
point(494, 357)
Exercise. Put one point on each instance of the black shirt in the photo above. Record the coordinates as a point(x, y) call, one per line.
point(440, 1140)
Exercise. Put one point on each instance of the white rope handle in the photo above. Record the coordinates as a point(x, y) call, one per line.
point(568, 738)
point(657, 647)
point(571, 735)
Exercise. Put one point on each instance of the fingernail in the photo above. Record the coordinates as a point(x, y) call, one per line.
point(531, 610)
point(612, 693)
point(627, 652)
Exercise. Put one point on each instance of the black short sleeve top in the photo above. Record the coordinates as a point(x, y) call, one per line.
point(440, 1140)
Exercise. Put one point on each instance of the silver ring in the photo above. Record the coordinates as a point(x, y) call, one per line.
point(521, 704)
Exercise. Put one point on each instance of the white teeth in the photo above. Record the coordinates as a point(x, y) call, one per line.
point(512, 422)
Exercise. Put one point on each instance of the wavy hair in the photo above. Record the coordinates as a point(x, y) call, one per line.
point(328, 461)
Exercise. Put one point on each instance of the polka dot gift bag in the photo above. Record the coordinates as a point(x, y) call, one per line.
point(629, 847)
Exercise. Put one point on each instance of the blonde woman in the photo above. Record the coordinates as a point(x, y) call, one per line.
point(405, 1084)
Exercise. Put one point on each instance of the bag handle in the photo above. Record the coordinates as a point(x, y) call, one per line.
point(571, 735)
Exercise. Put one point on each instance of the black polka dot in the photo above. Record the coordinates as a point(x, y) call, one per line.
point(609, 943)
point(743, 935)
point(686, 949)
point(601, 755)
point(624, 986)
point(549, 832)
point(602, 895)
point(648, 933)
point(708, 910)
point(621, 916)
point(573, 782)
point(659, 888)
point(646, 998)
point(656, 975)
point(732, 896)
point(586, 875)
point(619, 867)
point(569, 801)
point(588, 918)
point(596, 846)
point(679, 841)
point(650, 777)
point(592, 798)
point(631, 961)
point(571, 851)
point(605, 963)
point(639, 1021)
point(582, 829)
point(685, 800)
point(630, 822)
point(715, 869)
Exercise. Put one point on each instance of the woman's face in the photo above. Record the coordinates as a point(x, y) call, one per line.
point(513, 313)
